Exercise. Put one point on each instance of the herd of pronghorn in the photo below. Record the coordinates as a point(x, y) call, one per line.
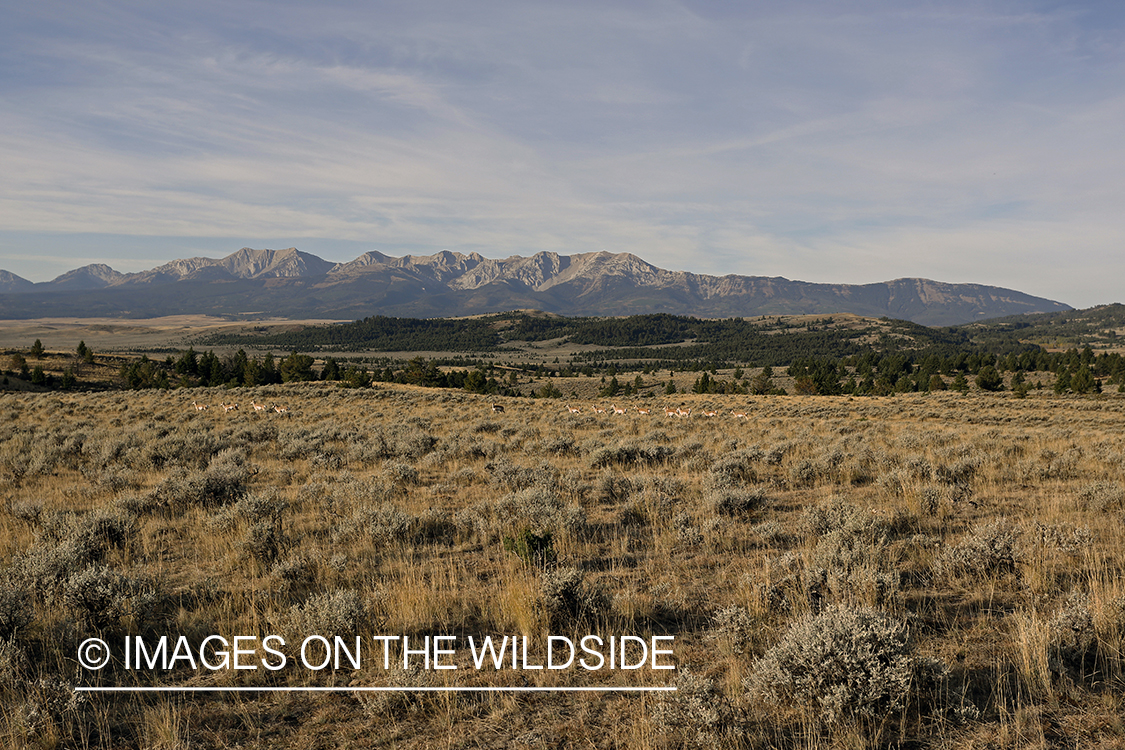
point(677, 412)
point(234, 407)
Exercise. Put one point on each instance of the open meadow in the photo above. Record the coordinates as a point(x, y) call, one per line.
point(924, 570)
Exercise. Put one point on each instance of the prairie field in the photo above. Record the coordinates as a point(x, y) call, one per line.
point(924, 570)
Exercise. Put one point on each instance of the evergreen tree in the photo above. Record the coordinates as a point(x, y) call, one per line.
point(235, 367)
point(37, 349)
point(1062, 381)
point(269, 373)
point(296, 367)
point(188, 363)
point(761, 384)
point(988, 379)
point(1083, 380)
point(960, 383)
point(475, 382)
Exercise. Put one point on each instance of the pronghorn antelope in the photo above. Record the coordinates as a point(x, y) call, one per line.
point(229, 407)
point(683, 412)
point(257, 406)
point(670, 412)
point(710, 413)
point(598, 409)
point(738, 414)
point(617, 411)
point(281, 409)
point(199, 407)
point(573, 409)
point(497, 407)
point(641, 411)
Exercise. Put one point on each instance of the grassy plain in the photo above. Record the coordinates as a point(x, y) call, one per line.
point(936, 570)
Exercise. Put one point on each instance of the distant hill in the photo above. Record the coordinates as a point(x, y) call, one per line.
point(290, 283)
point(1101, 327)
point(772, 340)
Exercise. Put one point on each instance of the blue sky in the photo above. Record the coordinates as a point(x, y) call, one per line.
point(848, 142)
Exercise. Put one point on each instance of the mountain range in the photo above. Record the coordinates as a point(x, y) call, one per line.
point(294, 284)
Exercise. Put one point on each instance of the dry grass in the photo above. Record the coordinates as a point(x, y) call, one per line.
point(988, 529)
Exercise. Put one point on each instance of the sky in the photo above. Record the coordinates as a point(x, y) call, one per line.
point(825, 141)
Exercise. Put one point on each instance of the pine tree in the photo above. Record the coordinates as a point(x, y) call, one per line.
point(988, 379)
point(1083, 380)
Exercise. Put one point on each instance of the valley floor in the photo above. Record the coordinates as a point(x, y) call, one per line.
point(936, 570)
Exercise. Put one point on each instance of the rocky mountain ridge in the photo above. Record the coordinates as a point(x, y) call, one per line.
point(292, 283)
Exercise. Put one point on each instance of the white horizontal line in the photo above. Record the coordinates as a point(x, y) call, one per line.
point(373, 689)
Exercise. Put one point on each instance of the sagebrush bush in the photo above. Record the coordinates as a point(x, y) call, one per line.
point(541, 510)
point(1102, 497)
point(341, 612)
point(735, 468)
point(697, 714)
point(844, 662)
point(992, 548)
point(1064, 537)
point(224, 481)
point(101, 597)
point(1073, 638)
point(15, 615)
point(632, 453)
point(295, 571)
point(734, 627)
point(735, 503)
point(399, 473)
point(568, 599)
point(396, 704)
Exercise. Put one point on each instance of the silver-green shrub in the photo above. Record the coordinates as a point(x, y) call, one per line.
point(100, 596)
point(568, 599)
point(341, 612)
point(846, 662)
point(990, 549)
point(697, 714)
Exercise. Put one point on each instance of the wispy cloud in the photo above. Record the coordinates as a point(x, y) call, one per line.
point(954, 140)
